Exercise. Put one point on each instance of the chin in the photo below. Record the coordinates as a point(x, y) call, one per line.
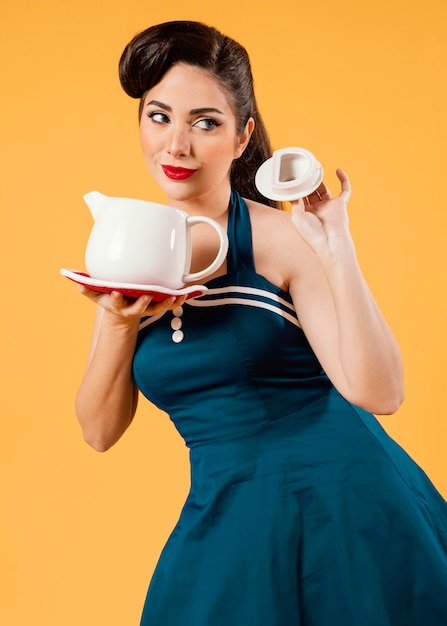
point(179, 195)
point(181, 192)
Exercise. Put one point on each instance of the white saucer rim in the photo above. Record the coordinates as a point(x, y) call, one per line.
point(81, 276)
point(263, 175)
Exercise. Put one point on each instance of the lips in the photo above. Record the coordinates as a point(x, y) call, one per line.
point(177, 173)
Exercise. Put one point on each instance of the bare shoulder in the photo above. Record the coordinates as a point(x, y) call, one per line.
point(280, 252)
point(275, 224)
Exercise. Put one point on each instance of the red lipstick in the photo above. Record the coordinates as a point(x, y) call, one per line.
point(177, 173)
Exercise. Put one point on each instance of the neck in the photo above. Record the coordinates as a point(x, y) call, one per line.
point(213, 204)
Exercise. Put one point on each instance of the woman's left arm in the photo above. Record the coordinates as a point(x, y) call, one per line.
point(337, 310)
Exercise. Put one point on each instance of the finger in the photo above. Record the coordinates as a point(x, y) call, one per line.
point(85, 291)
point(129, 306)
point(161, 306)
point(323, 192)
point(297, 205)
point(180, 300)
point(116, 303)
point(345, 183)
point(317, 196)
point(92, 294)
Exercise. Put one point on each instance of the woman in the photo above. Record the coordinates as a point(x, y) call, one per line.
point(301, 510)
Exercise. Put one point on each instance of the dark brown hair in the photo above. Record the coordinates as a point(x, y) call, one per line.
point(151, 53)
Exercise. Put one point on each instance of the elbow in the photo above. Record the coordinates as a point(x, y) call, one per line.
point(103, 424)
point(97, 427)
point(95, 435)
point(99, 444)
point(390, 406)
point(100, 434)
point(382, 404)
point(97, 439)
point(392, 398)
point(379, 397)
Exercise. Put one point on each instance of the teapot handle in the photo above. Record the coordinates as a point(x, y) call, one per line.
point(191, 220)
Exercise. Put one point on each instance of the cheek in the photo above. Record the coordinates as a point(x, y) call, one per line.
point(142, 141)
point(147, 146)
point(223, 151)
point(146, 137)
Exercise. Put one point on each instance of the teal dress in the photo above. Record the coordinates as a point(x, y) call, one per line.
point(302, 511)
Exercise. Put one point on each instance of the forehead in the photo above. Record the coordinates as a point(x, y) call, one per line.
point(189, 87)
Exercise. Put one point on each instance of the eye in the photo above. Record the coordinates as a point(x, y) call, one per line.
point(158, 117)
point(206, 123)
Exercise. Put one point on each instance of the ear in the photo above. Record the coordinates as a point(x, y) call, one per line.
point(242, 140)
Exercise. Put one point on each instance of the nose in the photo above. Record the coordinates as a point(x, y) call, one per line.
point(178, 142)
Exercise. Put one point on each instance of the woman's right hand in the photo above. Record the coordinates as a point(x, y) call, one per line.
point(129, 309)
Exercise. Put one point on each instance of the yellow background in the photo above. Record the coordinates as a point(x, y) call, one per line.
point(362, 85)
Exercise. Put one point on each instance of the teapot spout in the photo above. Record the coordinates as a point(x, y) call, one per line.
point(96, 202)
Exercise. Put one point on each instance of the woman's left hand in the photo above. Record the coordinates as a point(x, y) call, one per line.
point(321, 219)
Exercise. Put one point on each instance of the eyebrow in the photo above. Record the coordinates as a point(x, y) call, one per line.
point(199, 111)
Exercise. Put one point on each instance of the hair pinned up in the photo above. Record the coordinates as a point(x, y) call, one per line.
point(151, 53)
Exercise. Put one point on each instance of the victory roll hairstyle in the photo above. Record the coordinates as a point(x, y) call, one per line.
point(151, 53)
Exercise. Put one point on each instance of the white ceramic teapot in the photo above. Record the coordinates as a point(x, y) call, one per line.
point(140, 242)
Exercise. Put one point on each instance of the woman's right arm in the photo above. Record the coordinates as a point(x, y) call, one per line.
point(107, 398)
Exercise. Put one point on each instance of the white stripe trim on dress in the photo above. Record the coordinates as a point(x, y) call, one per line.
point(203, 301)
point(244, 301)
point(150, 320)
point(251, 291)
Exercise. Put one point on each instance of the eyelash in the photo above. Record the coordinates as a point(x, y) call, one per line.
point(155, 114)
point(213, 123)
point(165, 119)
